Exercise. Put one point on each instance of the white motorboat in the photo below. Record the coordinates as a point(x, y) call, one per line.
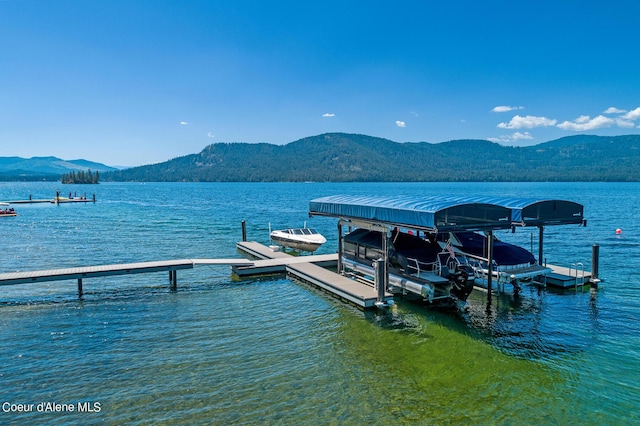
point(306, 239)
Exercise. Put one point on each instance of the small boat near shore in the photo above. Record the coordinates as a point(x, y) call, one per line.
point(6, 211)
point(305, 239)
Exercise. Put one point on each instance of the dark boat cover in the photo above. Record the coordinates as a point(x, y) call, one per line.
point(503, 253)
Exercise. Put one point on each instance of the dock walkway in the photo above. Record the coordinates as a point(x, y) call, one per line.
point(305, 268)
point(82, 272)
point(308, 269)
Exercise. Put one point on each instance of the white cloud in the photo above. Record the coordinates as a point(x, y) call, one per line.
point(614, 110)
point(584, 122)
point(184, 123)
point(625, 123)
point(328, 114)
point(401, 123)
point(506, 108)
point(210, 135)
point(527, 122)
point(506, 139)
point(632, 115)
point(517, 136)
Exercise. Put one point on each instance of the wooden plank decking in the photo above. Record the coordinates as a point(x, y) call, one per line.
point(82, 272)
point(11, 278)
point(306, 269)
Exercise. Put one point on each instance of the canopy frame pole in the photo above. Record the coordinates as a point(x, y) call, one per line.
point(340, 247)
point(490, 265)
point(540, 244)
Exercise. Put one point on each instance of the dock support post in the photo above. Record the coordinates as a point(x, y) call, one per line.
point(380, 266)
point(79, 287)
point(244, 231)
point(382, 274)
point(595, 266)
point(173, 280)
point(540, 244)
point(340, 247)
point(489, 266)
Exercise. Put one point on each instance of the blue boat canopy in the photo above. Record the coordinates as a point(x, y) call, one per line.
point(448, 213)
point(424, 213)
point(534, 212)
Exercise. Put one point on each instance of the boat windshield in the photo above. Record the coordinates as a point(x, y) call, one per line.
point(302, 231)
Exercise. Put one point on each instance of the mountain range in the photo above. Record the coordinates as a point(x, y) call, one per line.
point(45, 168)
point(342, 157)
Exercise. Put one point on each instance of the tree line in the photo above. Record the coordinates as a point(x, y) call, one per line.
point(340, 157)
point(81, 177)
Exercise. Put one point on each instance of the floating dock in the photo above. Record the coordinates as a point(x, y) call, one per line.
point(312, 270)
point(562, 277)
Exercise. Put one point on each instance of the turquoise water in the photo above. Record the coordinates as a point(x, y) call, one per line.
point(271, 351)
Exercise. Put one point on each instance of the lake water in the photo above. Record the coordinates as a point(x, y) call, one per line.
point(271, 351)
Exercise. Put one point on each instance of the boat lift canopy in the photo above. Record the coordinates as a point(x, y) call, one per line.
point(449, 213)
point(534, 212)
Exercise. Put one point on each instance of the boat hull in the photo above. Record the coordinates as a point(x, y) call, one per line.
point(304, 239)
point(296, 245)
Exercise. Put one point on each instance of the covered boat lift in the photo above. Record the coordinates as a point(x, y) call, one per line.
point(433, 214)
point(541, 213)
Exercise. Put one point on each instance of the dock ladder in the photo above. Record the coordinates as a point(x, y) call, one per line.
point(578, 268)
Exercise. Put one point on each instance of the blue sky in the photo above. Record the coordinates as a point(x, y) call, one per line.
point(142, 81)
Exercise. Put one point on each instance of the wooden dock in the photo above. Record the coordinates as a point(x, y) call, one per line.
point(309, 269)
point(80, 273)
point(56, 200)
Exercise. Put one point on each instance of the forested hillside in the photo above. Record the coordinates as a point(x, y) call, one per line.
point(350, 158)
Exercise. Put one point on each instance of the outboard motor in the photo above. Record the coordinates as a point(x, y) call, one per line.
point(461, 285)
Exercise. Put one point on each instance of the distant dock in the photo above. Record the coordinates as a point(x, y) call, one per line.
point(56, 200)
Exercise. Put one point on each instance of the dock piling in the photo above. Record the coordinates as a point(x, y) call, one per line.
point(381, 279)
point(489, 266)
point(244, 231)
point(80, 287)
point(173, 280)
point(595, 261)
